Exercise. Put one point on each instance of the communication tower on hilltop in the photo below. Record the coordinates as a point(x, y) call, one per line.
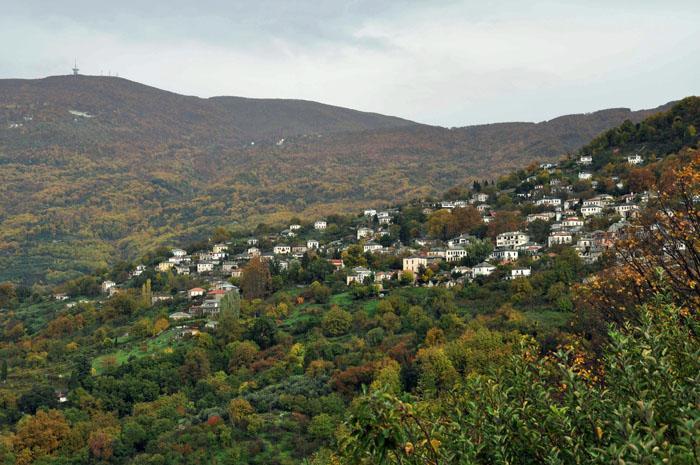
point(75, 68)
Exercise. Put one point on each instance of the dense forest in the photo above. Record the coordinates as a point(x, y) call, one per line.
point(581, 361)
point(99, 169)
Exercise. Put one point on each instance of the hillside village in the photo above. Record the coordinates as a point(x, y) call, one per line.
point(552, 206)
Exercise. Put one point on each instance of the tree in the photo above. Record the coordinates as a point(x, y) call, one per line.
point(436, 371)
point(231, 303)
point(465, 219)
point(538, 230)
point(336, 321)
point(438, 225)
point(229, 327)
point(521, 290)
point(195, 366)
point(264, 332)
point(39, 435)
point(321, 427)
point(477, 251)
point(241, 354)
point(320, 292)
point(239, 412)
point(8, 295)
point(146, 294)
point(3, 371)
point(503, 222)
point(38, 396)
point(256, 280)
point(160, 325)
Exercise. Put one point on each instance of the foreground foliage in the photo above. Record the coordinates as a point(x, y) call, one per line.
point(551, 410)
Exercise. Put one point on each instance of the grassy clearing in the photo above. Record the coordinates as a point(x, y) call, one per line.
point(550, 319)
point(151, 346)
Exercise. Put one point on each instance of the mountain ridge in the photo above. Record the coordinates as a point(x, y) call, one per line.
point(97, 168)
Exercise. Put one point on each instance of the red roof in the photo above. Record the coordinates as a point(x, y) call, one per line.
point(217, 291)
point(196, 289)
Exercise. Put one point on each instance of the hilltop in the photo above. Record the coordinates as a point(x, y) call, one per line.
point(97, 169)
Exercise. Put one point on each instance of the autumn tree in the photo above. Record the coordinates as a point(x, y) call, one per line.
point(239, 412)
point(659, 252)
point(503, 222)
point(195, 366)
point(39, 435)
point(256, 280)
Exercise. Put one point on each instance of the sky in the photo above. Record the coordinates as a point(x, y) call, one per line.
point(449, 63)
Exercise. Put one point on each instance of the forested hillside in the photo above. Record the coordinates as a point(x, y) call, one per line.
point(550, 316)
point(96, 169)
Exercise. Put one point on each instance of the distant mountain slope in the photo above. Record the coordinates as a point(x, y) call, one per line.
point(95, 169)
point(155, 115)
point(283, 118)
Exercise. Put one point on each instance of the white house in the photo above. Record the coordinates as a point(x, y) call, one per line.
point(281, 249)
point(312, 244)
point(358, 275)
point(591, 210)
point(320, 225)
point(463, 270)
point(635, 159)
point(483, 269)
point(504, 255)
point(437, 253)
point(584, 175)
point(601, 200)
point(460, 240)
point(572, 222)
point(138, 270)
point(179, 316)
point(252, 241)
point(107, 285)
point(549, 202)
point(163, 267)
point(370, 212)
point(413, 263)
point(294, 227)
point(195, 292)
point(558, 238)
point(455, 254)
point(585, 160)
point(178, 253)
point(520, 272)
point(480, 197)
point(205, 267)
point(372, 246)
point(544, 216)
point(512, 239)
point(625, 209)
point(364, 232)
point(219, 248)
point(253, 252)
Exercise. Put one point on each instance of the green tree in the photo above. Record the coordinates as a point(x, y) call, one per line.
point(336, 321)
point(264, 332)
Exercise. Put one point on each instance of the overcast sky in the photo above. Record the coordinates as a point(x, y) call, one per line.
point(450, 63)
